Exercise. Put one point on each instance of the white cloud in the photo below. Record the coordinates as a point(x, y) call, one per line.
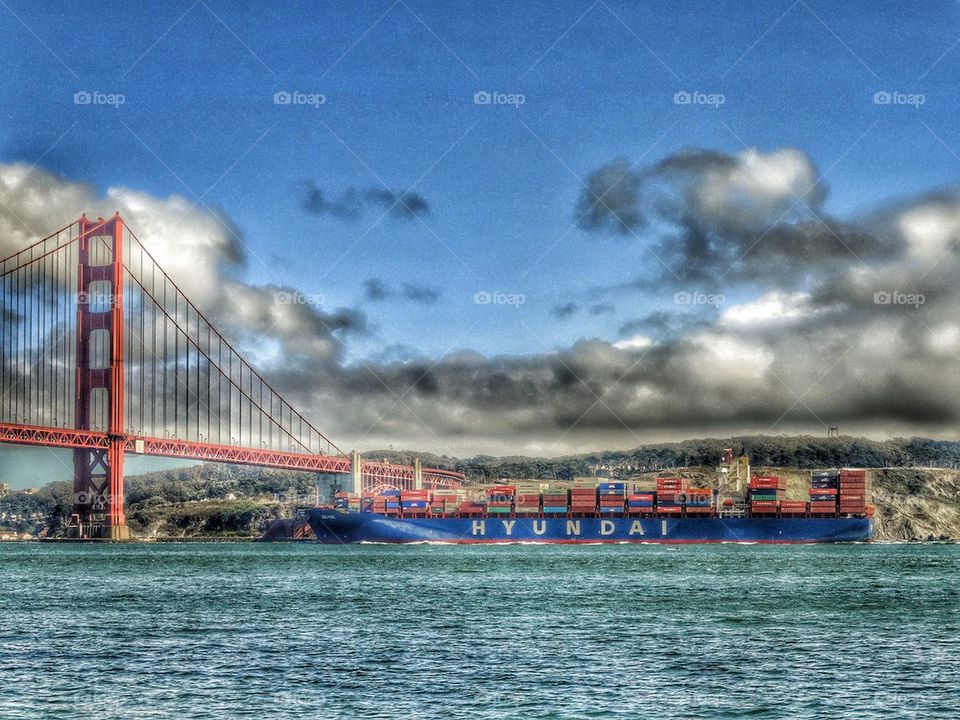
point(637, 342)
point(774, 308)
point(930, 230)
point(757, 188)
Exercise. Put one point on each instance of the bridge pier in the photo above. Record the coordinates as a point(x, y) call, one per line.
point(417, 474)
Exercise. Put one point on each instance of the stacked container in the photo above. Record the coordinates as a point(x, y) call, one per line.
point(500, 499)
point(641, 503)
point(527, 503)
point(583, 500)
point(793, 507)
point(556, 500)
point(823, 492)
point(765, 493)
point(471, 508)
point(346, 501)
point(449, 499)
point(671, 494)
point(613, 495)
point(415, 502)
point(854, 491)
point(699, 501)
point(387, 502)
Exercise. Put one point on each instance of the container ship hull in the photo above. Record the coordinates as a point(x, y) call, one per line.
point(336, 527)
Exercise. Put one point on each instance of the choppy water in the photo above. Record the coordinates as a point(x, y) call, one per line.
point(204, 630)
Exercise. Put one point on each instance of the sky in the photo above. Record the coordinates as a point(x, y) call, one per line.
point(524, 227)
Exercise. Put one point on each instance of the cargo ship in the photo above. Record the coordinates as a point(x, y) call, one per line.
point(608, 512)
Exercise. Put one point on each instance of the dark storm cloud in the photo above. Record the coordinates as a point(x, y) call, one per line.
point(708, 215)
point(352, 203)
point(611, 199)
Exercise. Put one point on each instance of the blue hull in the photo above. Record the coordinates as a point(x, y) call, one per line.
point(331, 526)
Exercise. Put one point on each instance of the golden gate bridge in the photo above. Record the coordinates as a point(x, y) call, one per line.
point(102, 353)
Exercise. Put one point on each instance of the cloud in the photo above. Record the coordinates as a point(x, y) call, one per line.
point(611, 199)
point(811, 336)
point(199, 248)
point(709, 216)
point(352, 203)
point(565, 310)
point(603, 308)
point(420, 293)
point(375, 290)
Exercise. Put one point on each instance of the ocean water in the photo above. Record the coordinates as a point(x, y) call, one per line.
point(537, 631)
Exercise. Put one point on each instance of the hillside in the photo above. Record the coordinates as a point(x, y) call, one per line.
point(219, 500)
point(802, 452)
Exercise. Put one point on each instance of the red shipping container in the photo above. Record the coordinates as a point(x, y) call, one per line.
point(699, 510)
point(823, 491)
point(793, 505)
point(670, 509)
point(641, 496)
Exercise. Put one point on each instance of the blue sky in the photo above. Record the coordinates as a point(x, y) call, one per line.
point(502, 182)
